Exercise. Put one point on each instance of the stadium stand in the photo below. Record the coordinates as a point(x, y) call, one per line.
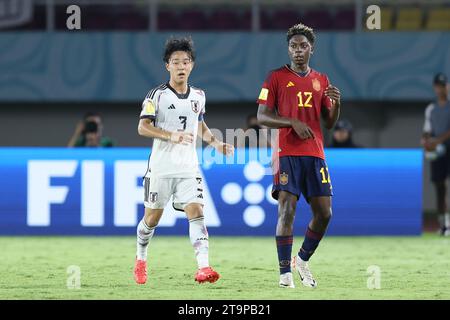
point(438, 19)
point(225, 20)
point(344, 20)
point(221, 15)
point(409, 19)
point(282, 19)
point(167, 20)
point(193, 20)
point(387, 15)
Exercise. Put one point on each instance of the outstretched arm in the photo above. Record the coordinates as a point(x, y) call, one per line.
point(206, 135)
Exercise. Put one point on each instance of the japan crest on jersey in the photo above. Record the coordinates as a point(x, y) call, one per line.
point(195, 105)
point(153, 196)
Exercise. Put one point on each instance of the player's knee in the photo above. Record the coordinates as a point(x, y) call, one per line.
point(322, 215)
point(152, 217)
point(286, 206)
point(196, 214)
point(194, 211)
point(326, 215)
point(286, 220)
point(152, 221)
point(286, 214)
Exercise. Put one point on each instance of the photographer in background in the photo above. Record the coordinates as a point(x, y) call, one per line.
point(436, 142)
point(252, 126)
point(89, 133)
point(342, 135)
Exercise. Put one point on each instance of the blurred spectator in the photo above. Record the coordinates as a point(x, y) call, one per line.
point(252, 122)
point(436, 142)
point(343, 135)
point(89, 133)
point(255, 135)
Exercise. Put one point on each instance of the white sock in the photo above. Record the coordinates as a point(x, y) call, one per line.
point(444, 220)
point(199, 239)
point(144, 235)
point(441, 220)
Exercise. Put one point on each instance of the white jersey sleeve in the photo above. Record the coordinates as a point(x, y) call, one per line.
point(150, 104)
point(427, 128)
point(203, 110)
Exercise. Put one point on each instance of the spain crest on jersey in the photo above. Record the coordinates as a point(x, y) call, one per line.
point(284, 178)
point(195, 106)
point(316, 84)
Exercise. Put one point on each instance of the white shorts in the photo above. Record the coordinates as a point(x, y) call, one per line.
point(157, 191)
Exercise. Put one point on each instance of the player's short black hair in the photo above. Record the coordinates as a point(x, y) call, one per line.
point(302, 30)
point(179, 44)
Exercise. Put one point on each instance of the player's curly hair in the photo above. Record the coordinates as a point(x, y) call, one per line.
point(302, 30)
point(179, 44)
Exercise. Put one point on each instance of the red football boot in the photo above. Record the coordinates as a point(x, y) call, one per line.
point(140, 271)
point(206, 275)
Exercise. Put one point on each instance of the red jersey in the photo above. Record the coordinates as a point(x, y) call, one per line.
point(294, 96)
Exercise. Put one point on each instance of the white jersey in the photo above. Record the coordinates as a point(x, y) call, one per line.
point(172, 111)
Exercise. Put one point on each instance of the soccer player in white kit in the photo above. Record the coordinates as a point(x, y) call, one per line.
point(172, 114)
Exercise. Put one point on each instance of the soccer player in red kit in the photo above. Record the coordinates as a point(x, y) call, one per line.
point(293, 99)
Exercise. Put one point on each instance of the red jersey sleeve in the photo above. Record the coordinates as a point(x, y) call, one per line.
point(268, 93)
point(326, 102)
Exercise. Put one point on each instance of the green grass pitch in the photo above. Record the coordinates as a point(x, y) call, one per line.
point(36, 268)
